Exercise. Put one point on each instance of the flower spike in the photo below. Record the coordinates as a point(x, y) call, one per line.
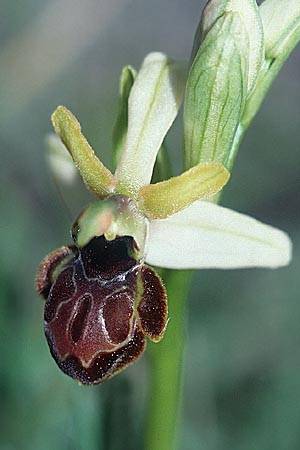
point(102, 301)
point(163, 199)
point(95, 175)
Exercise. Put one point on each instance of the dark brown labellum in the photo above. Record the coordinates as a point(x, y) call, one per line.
point(101, 303)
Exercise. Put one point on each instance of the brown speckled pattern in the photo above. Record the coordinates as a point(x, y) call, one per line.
point(153, 307)
point(104, 365)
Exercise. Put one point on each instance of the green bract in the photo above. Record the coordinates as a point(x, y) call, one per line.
point(227, 58)
point(215, 92)
point(250, 18)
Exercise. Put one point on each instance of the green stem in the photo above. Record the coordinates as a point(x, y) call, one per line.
point(166, 369)
point(116, 397)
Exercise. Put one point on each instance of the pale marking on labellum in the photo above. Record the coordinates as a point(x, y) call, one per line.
point(65, 301)
point(117, 278)
point(70, 324)
point(103, 325)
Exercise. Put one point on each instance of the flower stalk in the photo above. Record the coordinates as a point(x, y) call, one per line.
point(166, 364)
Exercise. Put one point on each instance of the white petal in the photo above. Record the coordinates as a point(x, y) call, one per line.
point(206, 235)
point(152, 107)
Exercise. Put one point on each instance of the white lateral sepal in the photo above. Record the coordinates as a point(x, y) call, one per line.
point(152, 107)
point(206, 235)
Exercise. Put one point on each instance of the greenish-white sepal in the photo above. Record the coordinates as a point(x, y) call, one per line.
point(153, 104)
point(120, 128)
point(281, 23)
point(250, 17)
point(215, 93)
point(206, 235)
point(59, 160)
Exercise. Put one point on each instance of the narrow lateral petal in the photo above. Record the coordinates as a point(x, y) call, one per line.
point(153, 105)
point(163, 199)
point(206, 235)
point(94, 174)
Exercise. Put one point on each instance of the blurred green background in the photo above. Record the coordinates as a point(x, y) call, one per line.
point(242, 371)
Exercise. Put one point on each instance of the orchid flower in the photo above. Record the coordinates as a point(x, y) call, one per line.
point(102, 298)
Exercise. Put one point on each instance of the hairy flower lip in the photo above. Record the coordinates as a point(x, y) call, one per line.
point(86, 364)
point(72, 367)
point(100, 309)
